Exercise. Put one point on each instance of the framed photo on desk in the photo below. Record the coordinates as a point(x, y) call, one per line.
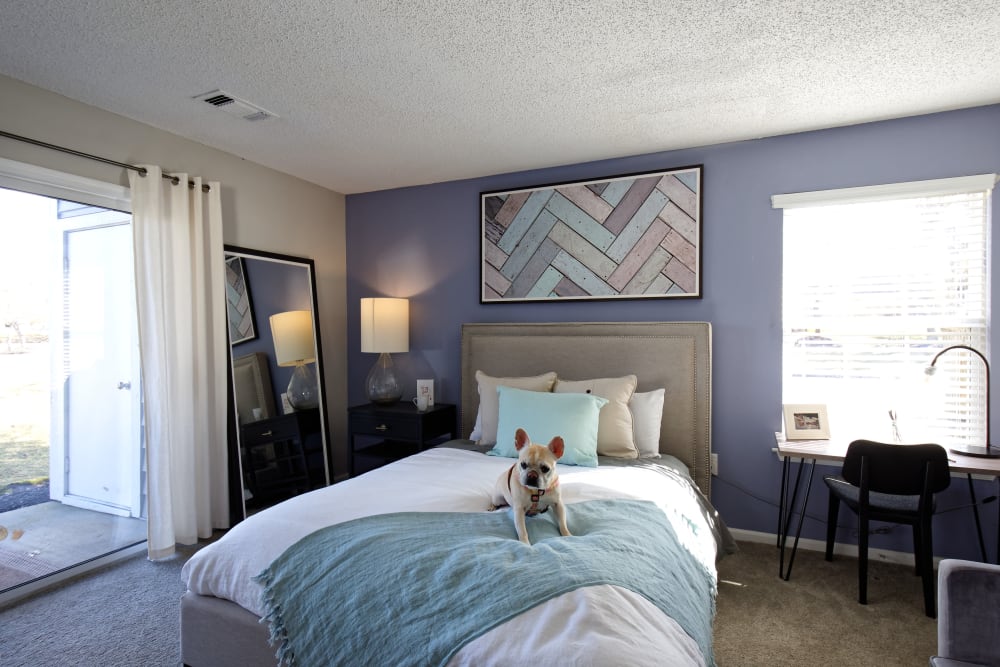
point(806, 422)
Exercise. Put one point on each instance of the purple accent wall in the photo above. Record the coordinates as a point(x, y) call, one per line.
point(423, 243)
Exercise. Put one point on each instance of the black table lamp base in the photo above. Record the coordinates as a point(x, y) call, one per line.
point(984, 452)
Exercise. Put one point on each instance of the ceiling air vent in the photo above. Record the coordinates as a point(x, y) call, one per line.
point(234, 106)
point(219, 100)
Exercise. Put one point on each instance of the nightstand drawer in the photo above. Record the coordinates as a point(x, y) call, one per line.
point(269, 430)
point(394, 427)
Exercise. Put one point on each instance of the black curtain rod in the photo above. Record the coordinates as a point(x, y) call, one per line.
point(141, 170)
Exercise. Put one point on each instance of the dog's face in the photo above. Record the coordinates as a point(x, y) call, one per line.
point(536, 464)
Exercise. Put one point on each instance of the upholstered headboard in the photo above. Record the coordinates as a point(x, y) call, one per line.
point(674, 355)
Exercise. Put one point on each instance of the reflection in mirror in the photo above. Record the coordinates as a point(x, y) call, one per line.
point(295, 346)
point(278, 425)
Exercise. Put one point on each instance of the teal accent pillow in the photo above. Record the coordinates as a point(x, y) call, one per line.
point(545, 415)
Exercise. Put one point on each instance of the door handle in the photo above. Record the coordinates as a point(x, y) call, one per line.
point(124, 385)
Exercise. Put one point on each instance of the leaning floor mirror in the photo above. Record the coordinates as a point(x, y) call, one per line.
point(278, 433)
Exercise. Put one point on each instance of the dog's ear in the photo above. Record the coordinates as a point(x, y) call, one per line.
point(520, 439)
point(557, 447)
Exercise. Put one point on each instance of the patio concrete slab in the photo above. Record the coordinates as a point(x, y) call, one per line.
point(48, 537)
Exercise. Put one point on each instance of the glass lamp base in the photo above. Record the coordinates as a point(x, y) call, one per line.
point(303, 389)
point(381, 385)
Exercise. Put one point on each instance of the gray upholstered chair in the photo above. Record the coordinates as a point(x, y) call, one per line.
point(968, 630)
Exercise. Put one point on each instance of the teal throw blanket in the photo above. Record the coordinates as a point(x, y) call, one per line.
point(413, 588)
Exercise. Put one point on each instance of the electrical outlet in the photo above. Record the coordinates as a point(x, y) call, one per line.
point(715, 463)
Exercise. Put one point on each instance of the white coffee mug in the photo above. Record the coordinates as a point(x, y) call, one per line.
point(421, 402)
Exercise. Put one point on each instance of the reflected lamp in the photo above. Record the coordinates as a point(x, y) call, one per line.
point(295, 345)
point(971, 450)
point(385, 328)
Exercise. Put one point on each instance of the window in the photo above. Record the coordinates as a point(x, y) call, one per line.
point(876, 281)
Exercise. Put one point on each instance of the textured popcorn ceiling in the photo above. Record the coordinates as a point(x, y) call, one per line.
point(380, 94)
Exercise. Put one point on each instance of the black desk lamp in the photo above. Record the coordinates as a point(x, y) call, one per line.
point(971, 450)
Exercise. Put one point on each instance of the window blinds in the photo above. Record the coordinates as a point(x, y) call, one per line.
point(872, 290)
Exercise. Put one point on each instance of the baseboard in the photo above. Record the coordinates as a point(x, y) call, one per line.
point(850, 550)
point(18, 593)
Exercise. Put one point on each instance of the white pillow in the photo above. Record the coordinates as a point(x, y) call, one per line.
point(647, 417)
point(615, 430)
point(477, 430)
point(485, 431)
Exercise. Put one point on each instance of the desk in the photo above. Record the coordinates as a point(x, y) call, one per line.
point(834, 452)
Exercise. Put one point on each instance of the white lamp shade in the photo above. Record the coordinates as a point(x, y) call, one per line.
point(385, 325)
point(294, 342)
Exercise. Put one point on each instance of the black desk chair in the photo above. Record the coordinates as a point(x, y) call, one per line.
point(897, 483)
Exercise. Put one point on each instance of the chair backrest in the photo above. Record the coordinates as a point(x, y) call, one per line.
point(905, 470)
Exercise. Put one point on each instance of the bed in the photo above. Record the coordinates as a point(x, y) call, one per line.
point(353, 584)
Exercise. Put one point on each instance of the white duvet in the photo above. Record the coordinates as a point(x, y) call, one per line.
point(600, 625)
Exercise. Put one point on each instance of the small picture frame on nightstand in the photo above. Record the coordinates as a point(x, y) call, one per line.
point(806, 422)
point(426, 388)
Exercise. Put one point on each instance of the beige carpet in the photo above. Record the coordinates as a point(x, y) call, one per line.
point(815, 618)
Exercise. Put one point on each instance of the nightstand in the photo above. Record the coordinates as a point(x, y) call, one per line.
point(400, 428)
point(279, 456)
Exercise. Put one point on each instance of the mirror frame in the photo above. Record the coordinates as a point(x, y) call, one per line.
point(237, 505)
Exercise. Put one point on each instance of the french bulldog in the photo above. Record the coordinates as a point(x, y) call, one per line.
point(531, 485)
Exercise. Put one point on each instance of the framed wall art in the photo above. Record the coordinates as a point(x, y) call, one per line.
point(239, 305)
point(626, 237)
point(806, 422)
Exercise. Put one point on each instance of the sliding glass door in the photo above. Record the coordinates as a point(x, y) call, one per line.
point(71, 452)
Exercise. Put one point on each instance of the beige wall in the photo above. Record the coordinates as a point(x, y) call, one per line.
point(262, 208)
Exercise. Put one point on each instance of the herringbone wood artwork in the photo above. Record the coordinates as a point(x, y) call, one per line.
point(238, 302)
point(627, 237)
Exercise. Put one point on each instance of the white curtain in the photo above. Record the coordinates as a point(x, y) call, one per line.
point(180, 294)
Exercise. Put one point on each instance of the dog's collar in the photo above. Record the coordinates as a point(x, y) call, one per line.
point(542, 492)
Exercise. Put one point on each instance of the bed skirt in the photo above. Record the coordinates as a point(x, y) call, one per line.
point(219, 633)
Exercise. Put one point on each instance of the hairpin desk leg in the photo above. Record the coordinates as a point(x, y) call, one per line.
point(975, 513)
point(787, 509)
point(782, 512)
point(782, 499)
point(802, 513)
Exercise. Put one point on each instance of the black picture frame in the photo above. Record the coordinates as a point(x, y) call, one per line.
point(239, 303)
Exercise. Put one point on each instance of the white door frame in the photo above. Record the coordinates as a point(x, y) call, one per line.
point(61, 442)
